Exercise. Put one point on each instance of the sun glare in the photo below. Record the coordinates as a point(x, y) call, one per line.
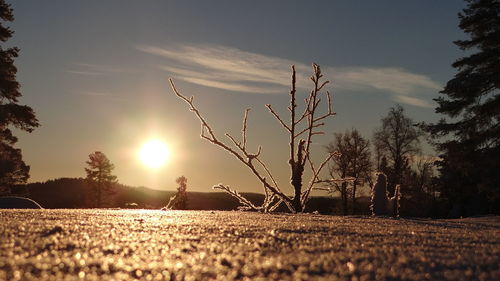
point(154, 153)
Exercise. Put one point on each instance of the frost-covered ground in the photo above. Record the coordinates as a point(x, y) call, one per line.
point(203, 245)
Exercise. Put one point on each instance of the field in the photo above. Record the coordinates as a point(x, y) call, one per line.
point(225, 245)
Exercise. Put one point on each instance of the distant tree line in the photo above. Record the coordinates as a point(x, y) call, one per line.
point(395, 151)
point(463, 179)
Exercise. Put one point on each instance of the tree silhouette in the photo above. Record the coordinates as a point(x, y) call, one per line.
point(13, 170)
point(354, 162)
point(99, 174)
point(301, 128)
point(470, 143)
point(397, 139)
point(179, 200)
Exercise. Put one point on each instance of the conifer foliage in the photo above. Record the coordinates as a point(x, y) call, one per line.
point(471, 101)
point(99, 173)
point(13, 170)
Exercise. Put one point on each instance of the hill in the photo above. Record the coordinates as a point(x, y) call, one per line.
point(72, 193)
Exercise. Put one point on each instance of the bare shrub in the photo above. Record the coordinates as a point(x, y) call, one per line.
point(301, 129)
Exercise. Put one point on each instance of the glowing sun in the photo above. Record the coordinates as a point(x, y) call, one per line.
point(154, 153)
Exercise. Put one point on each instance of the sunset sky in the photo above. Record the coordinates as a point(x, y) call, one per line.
point(96, 73)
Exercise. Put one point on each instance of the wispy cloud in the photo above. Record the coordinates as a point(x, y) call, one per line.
point(82, 72)
point(236, 70)
point(96, 94)
point(101, 95)
point(414, 101)
point(225, 68)
point(94, 69)
point(390, 79)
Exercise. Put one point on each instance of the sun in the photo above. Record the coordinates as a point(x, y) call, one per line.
point(154, 153)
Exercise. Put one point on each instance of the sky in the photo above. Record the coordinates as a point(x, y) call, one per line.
point(96, 73)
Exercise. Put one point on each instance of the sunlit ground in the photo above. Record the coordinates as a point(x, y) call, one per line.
point(205, 245)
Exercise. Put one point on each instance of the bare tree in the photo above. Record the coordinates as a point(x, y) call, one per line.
point(353, 164)
point(397, 139)
point(301, 129)
point(340, 168)
point(425, 171)
point(361, 164)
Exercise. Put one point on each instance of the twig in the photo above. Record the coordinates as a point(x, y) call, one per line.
point(249, 205)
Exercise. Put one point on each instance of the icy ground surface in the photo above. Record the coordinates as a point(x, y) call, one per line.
point(204, 245)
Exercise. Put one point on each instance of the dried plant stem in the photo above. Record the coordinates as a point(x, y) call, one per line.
point(247, 205)
point(245, 157)
point(308, 123)
point(300, 150)
point(315, 177)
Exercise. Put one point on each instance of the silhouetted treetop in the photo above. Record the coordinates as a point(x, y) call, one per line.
point(12, 168)
point(471, 100)
point(99, 172)
point(397, 139)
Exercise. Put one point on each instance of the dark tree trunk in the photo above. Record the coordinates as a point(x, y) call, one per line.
point(344, 198)
point(99, 189)
point(297, 172)
point(297, 186)
point(354, 197)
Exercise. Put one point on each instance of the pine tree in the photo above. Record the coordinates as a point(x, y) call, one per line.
point(12, 168)
point(470, 148)
point(99, 174)
point(179, 200)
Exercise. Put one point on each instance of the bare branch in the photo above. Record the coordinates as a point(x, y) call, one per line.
point(245, 158)
point(314, 178)
point(277, 117)
point(324, 188)
point(237, 144)
point(330, 107)
point(322, 85)
point(308, 128)
point(272, 206)
point(293, 106)
point(264, 166)
point(304, 115)
point(245, 202)
point(244, 129)
point(312, 105)
point(308, 119)
point(318, 133)
point(348, 179)
point(307, 108)
point(194, 109)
